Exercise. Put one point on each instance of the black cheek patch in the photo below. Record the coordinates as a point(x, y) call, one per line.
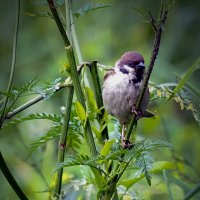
point(124, 71)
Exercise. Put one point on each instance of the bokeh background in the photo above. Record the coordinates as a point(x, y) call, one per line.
point(103, 35)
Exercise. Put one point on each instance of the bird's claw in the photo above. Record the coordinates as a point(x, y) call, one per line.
point(126, 144)
point(138, 113)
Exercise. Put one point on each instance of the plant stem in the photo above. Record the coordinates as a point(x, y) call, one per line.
point(74, 73)
point(31, 102)
point(13, 62)
point(158, 33)
point(192, 192)
point(11, 180)
point(4, 168)
point(98, 94)
point(62, 141)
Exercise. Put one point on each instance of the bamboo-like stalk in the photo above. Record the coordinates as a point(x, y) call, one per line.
point(78, 91)
point(74, 73)
point(98, 94)
point(62, 141)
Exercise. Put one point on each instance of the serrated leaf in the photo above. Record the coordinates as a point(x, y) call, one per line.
point(52, 133)
point(49, 90)
point(106, 148)
point(144, 162)
point(88, 8)
point(52, 117)
point(80, 111)
point(142, 12)
point(39, 14)
point(59, 2)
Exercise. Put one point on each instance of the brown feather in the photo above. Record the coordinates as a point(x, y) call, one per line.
point(109, 73)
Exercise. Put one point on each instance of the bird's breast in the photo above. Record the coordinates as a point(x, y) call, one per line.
point(119, 95)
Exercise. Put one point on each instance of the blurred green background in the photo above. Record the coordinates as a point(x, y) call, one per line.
point(103, 35)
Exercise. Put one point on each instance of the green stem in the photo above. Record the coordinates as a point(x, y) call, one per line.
point(74, 73)
point(11, 180)
point(4, 168)
point(192, 192)
point(31, 102)
point(62, 141)
point(96, 83)
point(13, 62)
point(98, 95)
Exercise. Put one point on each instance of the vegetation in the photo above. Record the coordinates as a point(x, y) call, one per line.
point(58, 142)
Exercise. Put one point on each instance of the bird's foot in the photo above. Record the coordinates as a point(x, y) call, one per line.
point(138, 113)
point(126, 144)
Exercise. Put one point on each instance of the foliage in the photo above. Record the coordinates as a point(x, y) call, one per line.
point(110, 172)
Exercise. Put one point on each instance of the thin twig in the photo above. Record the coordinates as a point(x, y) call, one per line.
point(31, 102)
point(158, 34)
point(192, 192)
point(2, 118)
point(4, 168)
point(10, 178)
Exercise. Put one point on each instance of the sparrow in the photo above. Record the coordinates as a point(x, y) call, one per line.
point(121, 88)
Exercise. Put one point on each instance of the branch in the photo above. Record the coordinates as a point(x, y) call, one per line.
point(74, 73)
point(31, 102)
point(39, 98)
point(192, 192)
point(98, 94)
point(10, 178)
point(3, 166)
point(158, 28)
point(63, 137)
point(2, 117)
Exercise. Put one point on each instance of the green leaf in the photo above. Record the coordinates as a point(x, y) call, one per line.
point(185, 78)
point(80, 111)
point(39, 14)
point(157, 167)
point(88, 8)
point(52, 117)
point(91, 100)
point(142, 12)
point(52, 133)
point(106, 148)
point(144, 162)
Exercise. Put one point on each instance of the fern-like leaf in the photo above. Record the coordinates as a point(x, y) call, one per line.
point(88, 8)
point(53, 117)
point(52, 133)
point(144, 162)
point(49, 89)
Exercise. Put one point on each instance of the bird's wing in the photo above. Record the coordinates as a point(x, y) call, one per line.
point(109, 73)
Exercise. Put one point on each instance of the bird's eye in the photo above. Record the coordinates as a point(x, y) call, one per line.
point(130, 64)
point(136, 63)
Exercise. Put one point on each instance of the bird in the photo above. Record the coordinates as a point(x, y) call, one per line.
point(122, 86)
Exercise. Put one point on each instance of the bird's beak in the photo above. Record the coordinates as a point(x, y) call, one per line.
point(140, 66)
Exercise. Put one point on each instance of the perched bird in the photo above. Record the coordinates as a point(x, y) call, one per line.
point(121, 88)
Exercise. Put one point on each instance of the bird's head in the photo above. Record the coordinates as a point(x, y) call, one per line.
point(132, 62)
